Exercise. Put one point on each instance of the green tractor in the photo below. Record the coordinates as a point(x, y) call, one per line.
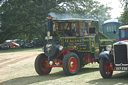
point(70, 44)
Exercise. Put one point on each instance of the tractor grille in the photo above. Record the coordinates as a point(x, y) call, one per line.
point(120, 54)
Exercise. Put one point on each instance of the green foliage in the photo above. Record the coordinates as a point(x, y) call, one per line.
point(87, 9)
point(124, 3)
point(124, 16)
point(26, 19)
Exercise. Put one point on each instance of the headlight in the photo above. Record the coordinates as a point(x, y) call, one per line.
point(60, 48)
point(109, 47)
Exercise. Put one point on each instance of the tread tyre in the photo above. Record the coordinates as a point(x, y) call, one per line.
point(105, 70)
point(41, 65)
point(71, 64)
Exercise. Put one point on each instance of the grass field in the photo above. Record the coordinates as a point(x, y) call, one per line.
point(17, 68)
point(39, 49)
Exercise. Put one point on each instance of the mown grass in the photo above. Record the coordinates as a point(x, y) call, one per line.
point(39, 49)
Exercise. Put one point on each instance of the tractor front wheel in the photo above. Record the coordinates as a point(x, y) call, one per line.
point(41, 65)
point(105, 70)
point(71, 64)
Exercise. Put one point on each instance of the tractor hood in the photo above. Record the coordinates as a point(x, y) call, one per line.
point(121, 42)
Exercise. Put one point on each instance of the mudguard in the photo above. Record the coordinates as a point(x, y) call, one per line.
point(104, 55)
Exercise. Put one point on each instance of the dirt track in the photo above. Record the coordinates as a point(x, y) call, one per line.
point(17, 68)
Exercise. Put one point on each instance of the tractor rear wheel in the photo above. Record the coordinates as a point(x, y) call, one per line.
point(71, 64)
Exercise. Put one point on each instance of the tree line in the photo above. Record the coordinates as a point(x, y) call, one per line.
point(26, 19)
point(124, 15)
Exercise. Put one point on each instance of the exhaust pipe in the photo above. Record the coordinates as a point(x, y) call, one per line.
point(50, 25)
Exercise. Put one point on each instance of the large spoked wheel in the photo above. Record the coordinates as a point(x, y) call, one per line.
point(71, 64)
point(105, 70)
point(41, 65)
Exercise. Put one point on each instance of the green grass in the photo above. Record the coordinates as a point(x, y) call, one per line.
point(21, 49)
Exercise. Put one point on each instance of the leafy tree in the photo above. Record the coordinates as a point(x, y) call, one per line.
point(87, 9)
point(23, 18)
point(124, 3)
point(124, 15)
point(26, 19)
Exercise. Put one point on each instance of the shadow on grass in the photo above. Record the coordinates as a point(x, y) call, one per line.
point(87, 70)
point(117, 79)
point(33, 79)
point(36, 78)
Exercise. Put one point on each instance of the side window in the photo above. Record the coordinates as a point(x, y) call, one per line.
point(84, 28)
point(111, 28)
point(87, 28)
point(67, 29)
point(122, 33)
point(92, 29)
point(114, 28)
point(107, 29)
point(74, 29)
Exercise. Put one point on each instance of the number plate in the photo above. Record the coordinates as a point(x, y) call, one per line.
point(121, 68)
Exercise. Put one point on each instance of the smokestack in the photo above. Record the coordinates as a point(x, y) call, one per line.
point(50, 25)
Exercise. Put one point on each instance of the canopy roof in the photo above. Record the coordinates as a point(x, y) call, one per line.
point(111, 20)
point(73, 19)
point(123, 27)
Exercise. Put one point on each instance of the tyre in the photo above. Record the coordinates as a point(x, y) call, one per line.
point(41, 65)
point(71, 64)
point(105, 70)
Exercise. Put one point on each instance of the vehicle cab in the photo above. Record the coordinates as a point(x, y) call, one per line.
point(123, 33)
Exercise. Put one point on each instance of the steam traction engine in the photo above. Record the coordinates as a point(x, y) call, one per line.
point(70, 44)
